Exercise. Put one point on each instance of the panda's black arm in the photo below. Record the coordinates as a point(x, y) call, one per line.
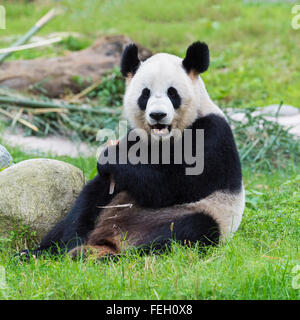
point(157, 186)
point(149, 186)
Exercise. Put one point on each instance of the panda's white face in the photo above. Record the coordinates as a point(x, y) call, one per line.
point(161, 96)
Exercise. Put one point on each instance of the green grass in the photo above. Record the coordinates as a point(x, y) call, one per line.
point(255, 61)
point(255, 264)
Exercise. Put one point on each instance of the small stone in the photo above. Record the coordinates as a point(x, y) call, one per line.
point(5, 158)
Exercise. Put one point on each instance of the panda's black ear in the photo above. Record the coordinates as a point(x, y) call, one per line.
point(197, 58)
point(130, 61)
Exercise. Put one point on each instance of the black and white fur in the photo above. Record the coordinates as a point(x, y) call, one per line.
point(166, 92)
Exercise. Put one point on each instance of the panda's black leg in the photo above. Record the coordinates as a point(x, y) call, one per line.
point(81, 219)
point(189, 229)
point(50, 243)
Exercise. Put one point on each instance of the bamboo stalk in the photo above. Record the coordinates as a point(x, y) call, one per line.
point(30, 45)
point(24, 122)
point(126, 205)
point(43, 104)
point(17, 117)
point(85, 91)
point(45, 19)
point(46, 110)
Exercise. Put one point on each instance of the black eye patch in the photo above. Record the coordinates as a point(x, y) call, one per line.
point(174, 97)
point(143, 99)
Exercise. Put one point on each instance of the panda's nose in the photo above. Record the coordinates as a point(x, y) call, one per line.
point(157, 115)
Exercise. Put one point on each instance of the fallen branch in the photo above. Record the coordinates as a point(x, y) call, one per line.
point(45, 104)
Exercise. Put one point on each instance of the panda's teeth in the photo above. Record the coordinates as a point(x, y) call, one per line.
point(162, 131)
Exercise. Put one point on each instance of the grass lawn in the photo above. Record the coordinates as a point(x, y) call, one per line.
point(255, 62)
point(256, 264)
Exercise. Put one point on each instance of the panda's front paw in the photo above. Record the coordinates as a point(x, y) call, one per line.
point(106, 169)
point(107, 160)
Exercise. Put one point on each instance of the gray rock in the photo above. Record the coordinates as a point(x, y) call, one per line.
point(37, 193)
point(5, 158)
point(285, 110)
point(288, 117)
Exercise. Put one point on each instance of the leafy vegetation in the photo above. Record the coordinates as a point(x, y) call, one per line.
point(264, 144)
point(111, 89)
point(80, 124)
point(74, 44)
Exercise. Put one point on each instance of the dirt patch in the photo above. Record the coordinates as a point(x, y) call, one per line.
point(55, 76)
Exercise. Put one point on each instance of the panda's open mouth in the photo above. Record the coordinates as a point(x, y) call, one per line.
point(160, 129)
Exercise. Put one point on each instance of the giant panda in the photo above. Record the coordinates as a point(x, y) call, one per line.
point(153, 204)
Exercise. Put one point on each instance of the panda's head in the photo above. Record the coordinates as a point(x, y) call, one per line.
point(164, 92)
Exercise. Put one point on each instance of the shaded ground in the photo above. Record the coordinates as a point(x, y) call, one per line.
point(54, 145)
